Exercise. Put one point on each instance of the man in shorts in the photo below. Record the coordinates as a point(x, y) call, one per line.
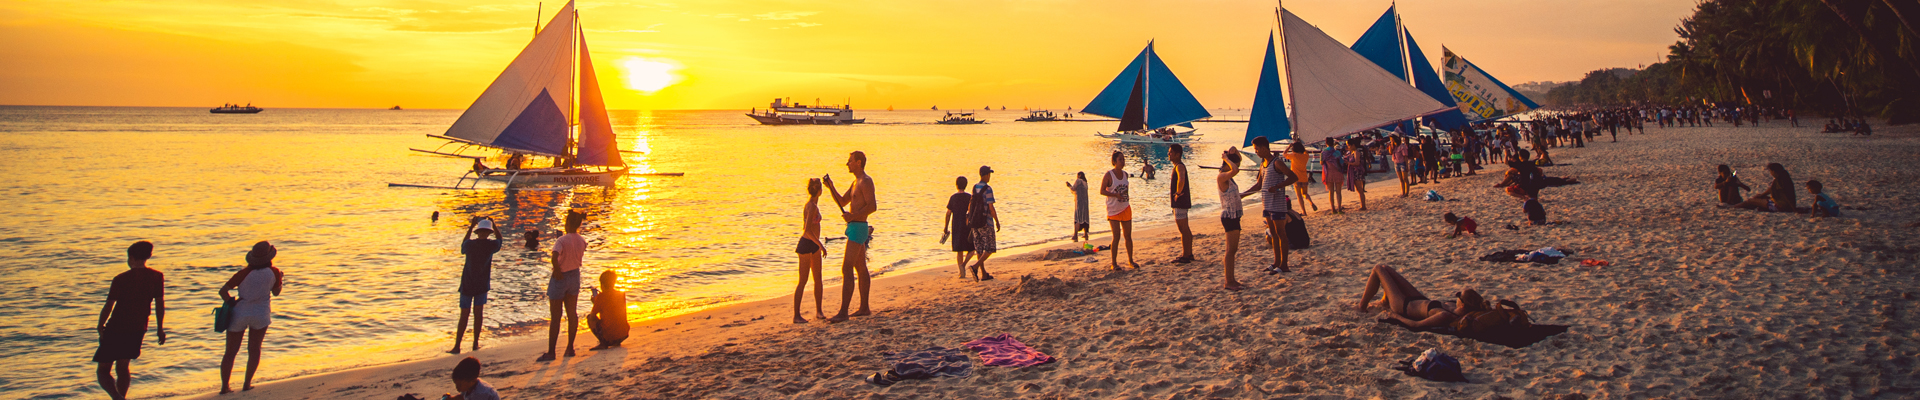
point(476, 278)
point(563, 284)
point(123, 320)
point(859, 234)
point(1272, 182)
point(1182, 196)
point(984, 241)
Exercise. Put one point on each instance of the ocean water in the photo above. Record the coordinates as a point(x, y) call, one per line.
point(371, 279)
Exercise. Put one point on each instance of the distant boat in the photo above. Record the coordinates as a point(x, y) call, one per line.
point(987, 108)
point(1144, 118)
point(780, 112)
point(965, 118)
point(1039, 116)
point(395, 108)
point(889, 108)
point(936, 108)
point(525, 114)
point(236, 109)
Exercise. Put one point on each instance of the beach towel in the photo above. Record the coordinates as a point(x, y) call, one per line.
point(932, 362)
point(1536, 256)
point(1006, 351)
point(1517, 338)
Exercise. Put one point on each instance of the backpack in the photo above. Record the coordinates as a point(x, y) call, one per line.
point(977, 216)
point(1505, 317)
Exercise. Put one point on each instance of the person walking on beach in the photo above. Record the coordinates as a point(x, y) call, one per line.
point(1114, 186)
point(608, 318)
point(1182, 199)
point(1297, 162)
point(985, 223)
point(122, 328)
point(859, 234)
point(252, 311)
point(476, 278)
point(957, 227)
point(1277, 208)
point(1398, 148)
point(1333, 173)
point(1081, 228)
point(1231, 211)
point(810, 251)
point(563, 284)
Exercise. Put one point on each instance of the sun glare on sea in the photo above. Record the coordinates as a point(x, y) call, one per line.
point(649, 75)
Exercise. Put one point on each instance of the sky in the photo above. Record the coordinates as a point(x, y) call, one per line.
point(733, 54)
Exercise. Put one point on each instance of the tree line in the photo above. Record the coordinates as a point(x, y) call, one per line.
point(1834, 57)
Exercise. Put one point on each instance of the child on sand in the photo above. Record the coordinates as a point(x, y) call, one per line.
point(466, 379)
point(608, 318)
point(1823, 206)
point(1461, 225)
point(810, 249)
point(1536, 214)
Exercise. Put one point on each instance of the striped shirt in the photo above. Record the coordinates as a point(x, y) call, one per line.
point(1272, 195)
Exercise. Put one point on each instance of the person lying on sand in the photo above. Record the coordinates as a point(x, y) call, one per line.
point(1405, 303)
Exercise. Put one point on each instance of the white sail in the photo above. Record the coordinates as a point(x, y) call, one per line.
point(1337, 91)
point(532, 98)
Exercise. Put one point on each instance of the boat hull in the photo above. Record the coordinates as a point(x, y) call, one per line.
point(551, 176)
point(976, 122)
point(236, 111)
point(779, 120)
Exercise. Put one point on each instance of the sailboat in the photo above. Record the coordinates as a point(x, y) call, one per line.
point(1481, 96)
point(530, 112)
point(1334, 90)
point(1390, 45)
point(1149, 101)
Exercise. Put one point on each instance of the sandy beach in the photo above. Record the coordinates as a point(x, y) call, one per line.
point(1698, 301)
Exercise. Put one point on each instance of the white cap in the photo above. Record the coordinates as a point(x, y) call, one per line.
point(484, 224)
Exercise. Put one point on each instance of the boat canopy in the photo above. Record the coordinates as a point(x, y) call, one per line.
point(1336, 91)
point(1269, 114)
point(1146, 95)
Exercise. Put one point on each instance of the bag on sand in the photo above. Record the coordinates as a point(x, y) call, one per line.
point(1505, 316)
point(1297, 237)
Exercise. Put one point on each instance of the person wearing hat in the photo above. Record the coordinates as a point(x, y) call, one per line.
point(252, 310)
point(983, 213)
point(476, 278)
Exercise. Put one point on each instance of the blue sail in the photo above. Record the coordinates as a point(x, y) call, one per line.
point(1269, 114)
point(1381, 45)
point(1168, 102)
point(1425, 78)
point(1112, 101)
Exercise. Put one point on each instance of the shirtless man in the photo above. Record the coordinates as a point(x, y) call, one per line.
point(859, 233)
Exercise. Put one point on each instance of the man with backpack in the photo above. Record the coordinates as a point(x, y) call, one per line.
point(985, 221)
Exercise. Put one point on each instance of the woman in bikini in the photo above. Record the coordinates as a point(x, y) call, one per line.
point(811, 249)
point(1407, 305)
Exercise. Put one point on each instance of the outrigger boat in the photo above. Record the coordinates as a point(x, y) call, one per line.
point(1039, 116)
point(529, 113)
point(965, 118)
point(236, 109)
point(1149, 101)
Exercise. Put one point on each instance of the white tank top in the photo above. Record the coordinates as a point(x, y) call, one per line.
point(1117, 204)
point(256, 294)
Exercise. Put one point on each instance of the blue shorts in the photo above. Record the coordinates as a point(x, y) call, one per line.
point(564, 286)
point(470, 301)
point(859, 232)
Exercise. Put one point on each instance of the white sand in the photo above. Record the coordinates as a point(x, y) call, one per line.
point(1699, 301)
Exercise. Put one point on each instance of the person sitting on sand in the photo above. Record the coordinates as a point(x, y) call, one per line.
point(1461, 225)
point(810, 250)
point(466, 380)
point(1729, 186)
point(1823, 205)
point(1536, 213)
point(1779, 195)
point(608, 318)
point(1404, 303)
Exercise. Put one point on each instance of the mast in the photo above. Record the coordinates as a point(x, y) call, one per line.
point(1400, 35)
point(1146, 86)
point(573, 72)
point(538, 9)
point(1286, 67)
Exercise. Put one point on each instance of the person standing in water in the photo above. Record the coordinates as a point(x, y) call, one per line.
point(1114, 186)
point(1182, 198)
point(563, 284)
point(476, 279)
point(1081, 228)
point(123, 319)
point(811, 250)
point(859, 234)
point(985, 221)
point(1278, 209)
point(253, 311)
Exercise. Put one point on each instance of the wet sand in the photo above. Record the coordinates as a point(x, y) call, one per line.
point(1698, 302)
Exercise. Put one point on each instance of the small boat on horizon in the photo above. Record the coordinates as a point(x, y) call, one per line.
point(965, 118)
point(782, 112)
point(395, 108)
point(236, 109)
point(1039, 116)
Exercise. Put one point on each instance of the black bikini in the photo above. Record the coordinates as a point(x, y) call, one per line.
point(807, 246)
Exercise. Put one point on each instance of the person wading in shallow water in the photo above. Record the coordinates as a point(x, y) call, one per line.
point(476, 279)
point(123, 319)
point(859, 234)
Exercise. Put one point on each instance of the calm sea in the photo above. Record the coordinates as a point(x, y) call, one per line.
point(371, 279)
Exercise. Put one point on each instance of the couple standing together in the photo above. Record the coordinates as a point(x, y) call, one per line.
point(859, 196)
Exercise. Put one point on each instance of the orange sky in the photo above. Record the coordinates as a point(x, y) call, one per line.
point(728, 54)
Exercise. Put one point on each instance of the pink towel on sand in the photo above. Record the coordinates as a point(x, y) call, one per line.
point(1004, 350)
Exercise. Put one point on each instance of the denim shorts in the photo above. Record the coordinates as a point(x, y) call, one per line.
point(470, 301)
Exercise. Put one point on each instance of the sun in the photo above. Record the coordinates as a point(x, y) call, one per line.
point(649, 75)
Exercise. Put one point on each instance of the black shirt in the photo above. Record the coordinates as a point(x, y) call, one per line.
point(132, 294)
point(1180, 190)
point(958, 204)
point(477, 276)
